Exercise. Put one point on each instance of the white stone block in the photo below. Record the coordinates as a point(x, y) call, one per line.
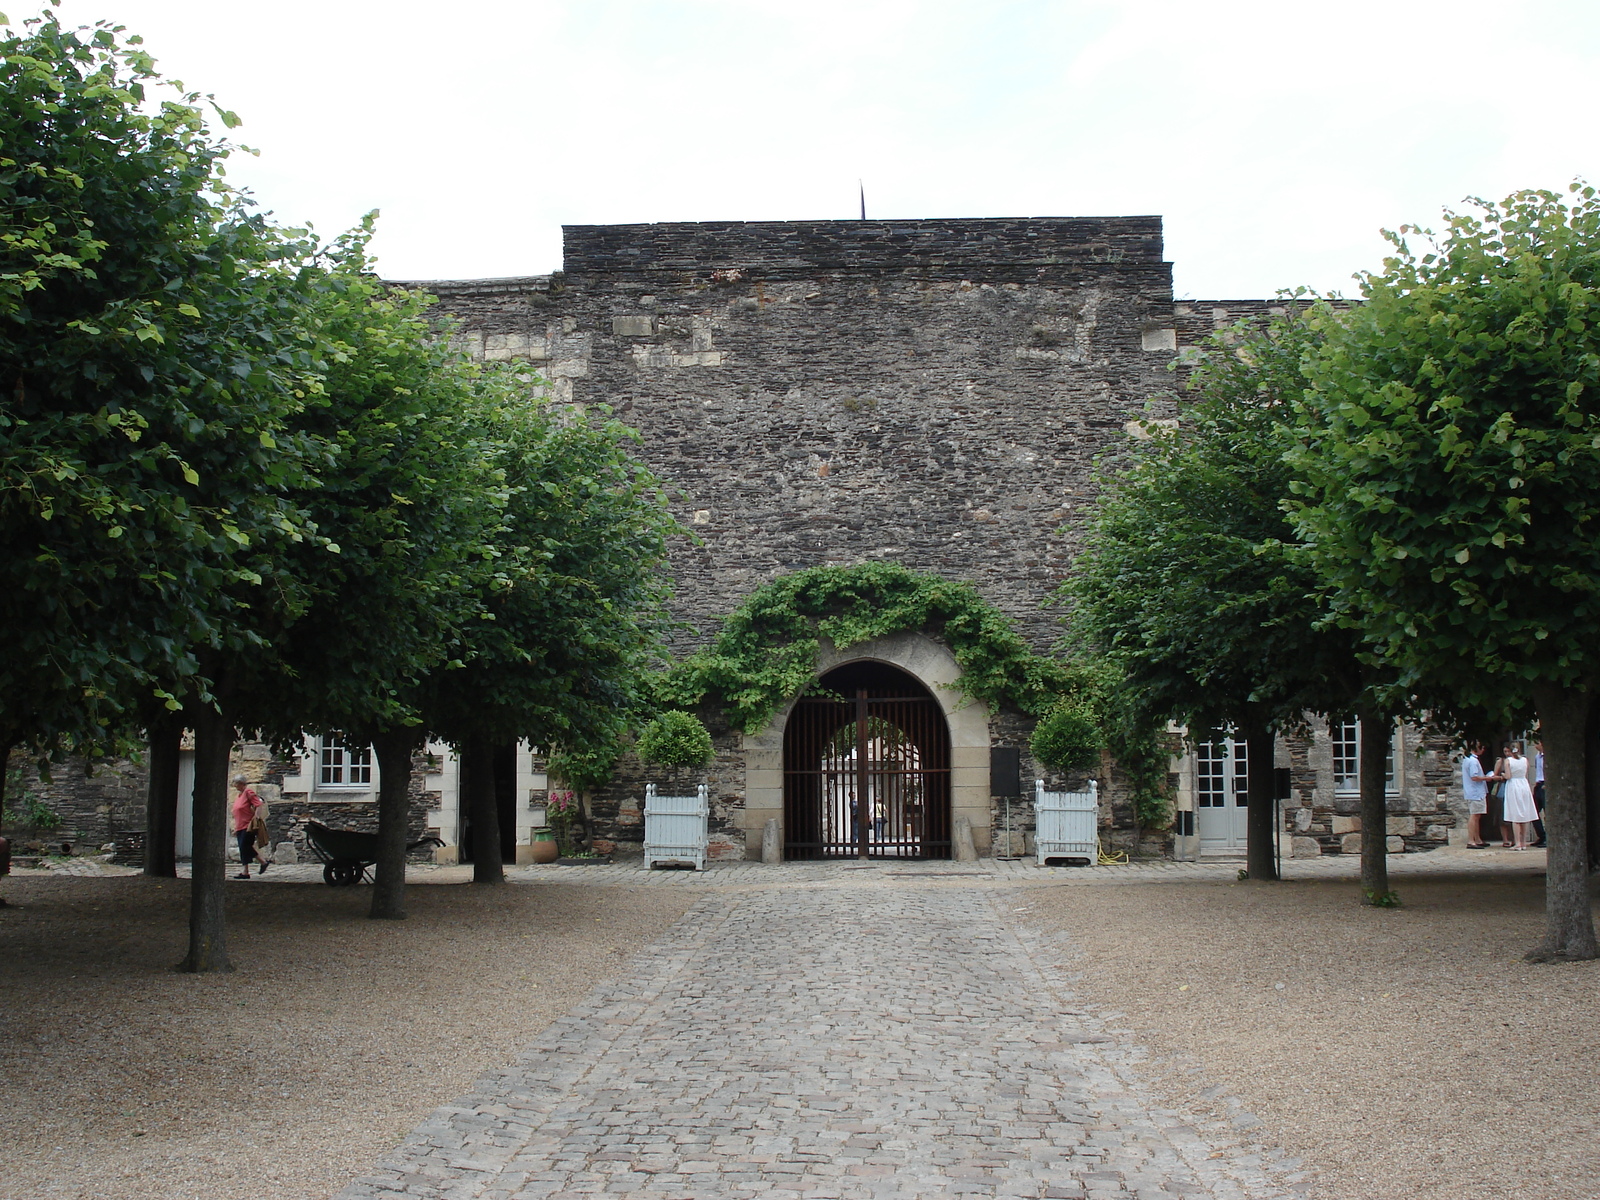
point(633, 326)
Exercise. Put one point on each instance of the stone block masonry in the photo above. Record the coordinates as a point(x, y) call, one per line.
point(932, 393)
point(928, 392)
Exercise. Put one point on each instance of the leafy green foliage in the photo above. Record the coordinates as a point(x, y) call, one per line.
point(573, 621)
point(407, 505)
point(675, 739)
point(585, 770)
point(1451, 484)
point(1067, 738)
point(1190, 583)
point(766, 651)
point(151, 327)
point(1452, 449)
point(32, 812)
point(563, 813)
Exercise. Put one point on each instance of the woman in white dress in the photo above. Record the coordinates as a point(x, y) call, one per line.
point(1520, 809)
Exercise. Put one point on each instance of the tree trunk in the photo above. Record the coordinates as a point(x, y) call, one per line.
point(477, 755)
point(1376, 734)
point(1569, 923)
point(394, 748)
point(1591, 776)
point(1261, 827)
point(161, 798)
point(213, 743)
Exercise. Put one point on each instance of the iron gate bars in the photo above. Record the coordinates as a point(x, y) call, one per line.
point(868, 776)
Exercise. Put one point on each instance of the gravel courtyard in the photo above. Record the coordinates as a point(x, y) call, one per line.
point(1407, 1053)
point(120, 1078)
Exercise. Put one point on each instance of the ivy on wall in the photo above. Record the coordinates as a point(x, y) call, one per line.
point(767, 649)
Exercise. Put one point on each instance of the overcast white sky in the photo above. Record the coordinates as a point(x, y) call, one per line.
point(1276, 138)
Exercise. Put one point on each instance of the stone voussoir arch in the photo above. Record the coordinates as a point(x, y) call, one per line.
point(932, 664)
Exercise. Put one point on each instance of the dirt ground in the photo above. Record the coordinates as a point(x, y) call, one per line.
point(120, 1078)
point(1404, 1054)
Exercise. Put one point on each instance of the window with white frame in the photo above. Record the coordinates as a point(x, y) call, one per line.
point(1221, 773)
point(1346, 737)
point(343, 766)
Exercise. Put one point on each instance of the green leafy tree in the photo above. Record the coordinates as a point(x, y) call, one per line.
point(152, 351)
point(1190, 585)
point(1452, 460)
point(407, 510)
point(573, 622)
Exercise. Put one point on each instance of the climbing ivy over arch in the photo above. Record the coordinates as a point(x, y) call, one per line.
point(766, 652)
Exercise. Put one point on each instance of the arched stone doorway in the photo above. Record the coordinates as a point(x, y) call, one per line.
point(866, 768)
point(931, 664)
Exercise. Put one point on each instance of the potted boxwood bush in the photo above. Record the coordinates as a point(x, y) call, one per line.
point(1067, 739)
point(678, 741)
point(676, 813)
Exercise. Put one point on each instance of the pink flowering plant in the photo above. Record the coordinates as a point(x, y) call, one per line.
point(562, 812)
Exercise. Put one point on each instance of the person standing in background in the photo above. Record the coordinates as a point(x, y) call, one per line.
point(1475, 791)
point(1538, 792)
point(1520, 812)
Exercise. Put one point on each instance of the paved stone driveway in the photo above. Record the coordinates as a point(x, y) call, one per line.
point(881, 1039)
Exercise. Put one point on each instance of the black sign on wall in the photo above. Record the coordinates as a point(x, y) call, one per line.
point(1005, 771)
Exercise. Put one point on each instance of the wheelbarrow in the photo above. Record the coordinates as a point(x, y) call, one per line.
point(346, 854)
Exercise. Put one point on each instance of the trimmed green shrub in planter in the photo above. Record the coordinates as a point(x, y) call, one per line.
point(1067, 739)
point(676, 739)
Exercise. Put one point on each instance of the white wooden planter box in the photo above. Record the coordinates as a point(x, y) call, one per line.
point(675, 828)
point(1066, 824)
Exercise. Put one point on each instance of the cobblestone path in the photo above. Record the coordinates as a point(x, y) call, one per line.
point(832, 1043)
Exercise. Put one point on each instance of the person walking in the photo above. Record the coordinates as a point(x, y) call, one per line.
point(245, 805)
point(1520, 810)
point(1475, 791)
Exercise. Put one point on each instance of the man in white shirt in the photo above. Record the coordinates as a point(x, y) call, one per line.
point(1475, 791)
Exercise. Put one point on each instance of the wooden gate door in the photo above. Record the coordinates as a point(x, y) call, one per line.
point(866, 769)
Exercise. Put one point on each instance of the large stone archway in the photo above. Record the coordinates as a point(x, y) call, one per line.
point(931, 664)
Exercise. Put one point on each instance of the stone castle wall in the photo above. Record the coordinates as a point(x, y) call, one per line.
point(932, 393)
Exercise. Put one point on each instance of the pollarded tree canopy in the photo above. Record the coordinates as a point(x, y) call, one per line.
point(152, 343)
point(1189, 581)
point(1453, 448)
point(1452, 483)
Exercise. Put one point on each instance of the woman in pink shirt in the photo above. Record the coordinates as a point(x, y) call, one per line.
point(245, 804)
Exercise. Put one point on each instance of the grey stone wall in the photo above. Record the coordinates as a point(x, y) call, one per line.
point(96, 800)
point(1424, 811)
point(933, 393)
point(101, 798)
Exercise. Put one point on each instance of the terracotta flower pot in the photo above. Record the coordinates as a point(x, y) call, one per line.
point(545, 849)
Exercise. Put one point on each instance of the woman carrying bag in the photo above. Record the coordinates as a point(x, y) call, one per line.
point(249, 825)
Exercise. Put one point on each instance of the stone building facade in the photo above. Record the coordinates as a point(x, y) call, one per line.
point(930, 393)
